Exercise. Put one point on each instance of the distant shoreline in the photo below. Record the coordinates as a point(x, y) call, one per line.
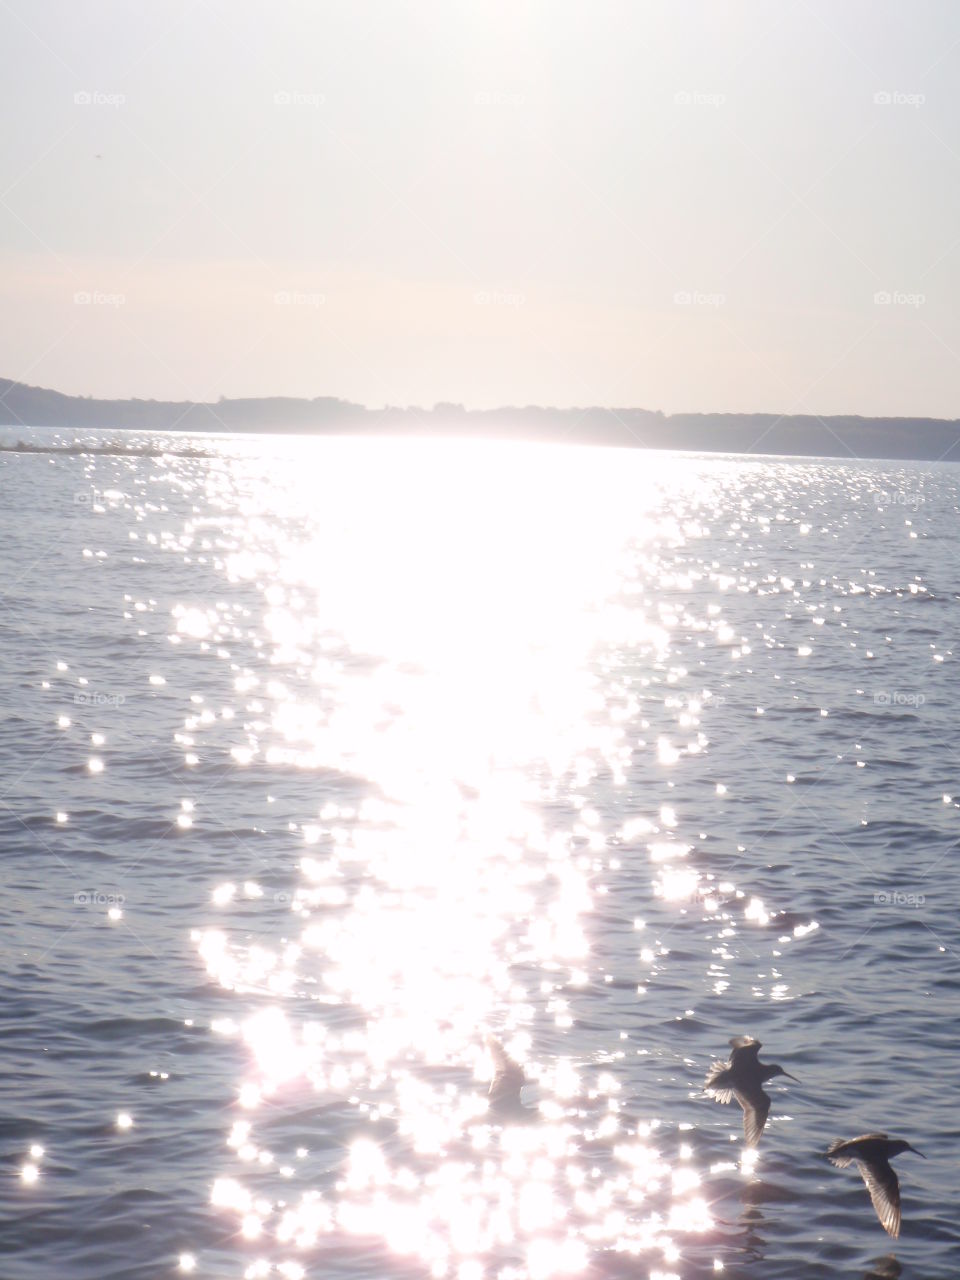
point(760, 434)
point(111, 450)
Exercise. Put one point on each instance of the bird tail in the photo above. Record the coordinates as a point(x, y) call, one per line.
point(836, 1154)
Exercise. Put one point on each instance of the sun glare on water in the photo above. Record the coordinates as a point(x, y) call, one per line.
point(433, 620)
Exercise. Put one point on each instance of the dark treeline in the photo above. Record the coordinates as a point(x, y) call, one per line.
point(760, 433)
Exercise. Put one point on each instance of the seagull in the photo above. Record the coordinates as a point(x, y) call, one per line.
point(508, 1080)
point(743, 1078)
point(872, 1153)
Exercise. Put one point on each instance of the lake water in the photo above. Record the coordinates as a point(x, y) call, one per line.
point(322, 760)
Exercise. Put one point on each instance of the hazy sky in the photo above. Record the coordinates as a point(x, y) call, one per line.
point(678, 205)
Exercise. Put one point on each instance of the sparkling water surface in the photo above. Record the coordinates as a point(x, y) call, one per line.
point(323, 760)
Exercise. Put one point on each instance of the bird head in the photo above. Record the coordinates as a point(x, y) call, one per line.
point(775, 1069)
point(900, 1144)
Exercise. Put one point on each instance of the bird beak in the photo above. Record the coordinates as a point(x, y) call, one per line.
point(793, 1078)
point(918, 1153)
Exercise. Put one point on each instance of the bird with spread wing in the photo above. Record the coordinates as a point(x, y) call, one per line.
point(742, 1078)
point(871, 1153)
point(508, 1079)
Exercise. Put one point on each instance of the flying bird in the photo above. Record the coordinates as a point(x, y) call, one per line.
point(743, 1078)
point(872, 1153)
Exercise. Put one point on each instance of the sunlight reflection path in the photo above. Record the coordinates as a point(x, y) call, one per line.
point(441, 628)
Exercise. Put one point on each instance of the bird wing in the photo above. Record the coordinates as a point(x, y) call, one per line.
point(756, 1108)
point(717, 1082)
point(844, 1150)
point(884, 1192)
point(501, 1059)
point(744, 1049)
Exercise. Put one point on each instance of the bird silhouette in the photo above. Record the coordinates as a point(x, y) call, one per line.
point(872, 1153)
point(508, 1080)
point(743, 1078)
